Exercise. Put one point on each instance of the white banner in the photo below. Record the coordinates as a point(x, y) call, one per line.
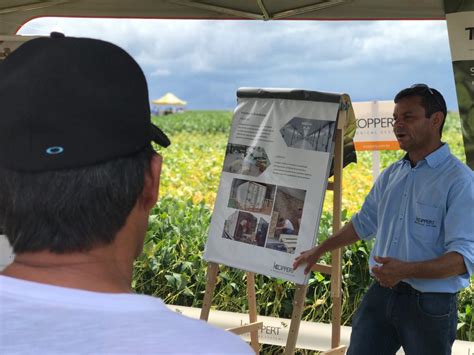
point(374, 126)
point(273, 181)
point(311, 335)
point(461, 35)
point(460, 21)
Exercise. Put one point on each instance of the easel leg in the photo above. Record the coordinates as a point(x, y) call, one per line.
point(212, 270)
point(298, 306)
point(336, 286)
point(336, 322)
point(336, 279)
point(252, 310)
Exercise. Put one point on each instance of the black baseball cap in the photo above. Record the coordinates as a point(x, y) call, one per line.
point(70, 102)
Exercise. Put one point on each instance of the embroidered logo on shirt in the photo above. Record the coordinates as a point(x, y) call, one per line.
point(425, 222)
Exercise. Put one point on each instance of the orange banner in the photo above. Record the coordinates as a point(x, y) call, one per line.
point(377, 145)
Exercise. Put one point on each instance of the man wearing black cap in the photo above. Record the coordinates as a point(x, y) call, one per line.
point(76, 188)
point(420, 213)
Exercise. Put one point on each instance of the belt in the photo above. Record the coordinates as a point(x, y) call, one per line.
point(406, 289)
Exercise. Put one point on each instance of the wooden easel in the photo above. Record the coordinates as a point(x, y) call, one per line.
point(300, 295)
point(253, 327)
point(335, 268)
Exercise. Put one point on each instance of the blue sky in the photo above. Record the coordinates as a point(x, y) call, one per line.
point(204, 62)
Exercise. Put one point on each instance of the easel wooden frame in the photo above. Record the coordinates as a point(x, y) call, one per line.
point(253, 327)
point(300, 295)
point(335, 268)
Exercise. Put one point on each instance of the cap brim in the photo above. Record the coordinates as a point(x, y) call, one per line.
point(159, 137)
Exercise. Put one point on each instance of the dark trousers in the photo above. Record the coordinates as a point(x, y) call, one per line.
point(422, 323)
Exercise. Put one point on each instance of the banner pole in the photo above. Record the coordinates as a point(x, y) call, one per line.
point(375, 164)
point(375, 153)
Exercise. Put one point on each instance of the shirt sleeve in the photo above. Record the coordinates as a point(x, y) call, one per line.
point(365, 221)
point(459, 222)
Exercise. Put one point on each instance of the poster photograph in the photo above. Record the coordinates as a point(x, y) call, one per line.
point(273, 181)
point(245, 160)
point(252, 196)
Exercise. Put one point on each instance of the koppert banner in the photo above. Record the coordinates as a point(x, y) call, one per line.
point(460, 19)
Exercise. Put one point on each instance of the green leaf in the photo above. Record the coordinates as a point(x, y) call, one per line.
point(320, 277)
point(171, 280)
point(188, 292)
point(468, 309)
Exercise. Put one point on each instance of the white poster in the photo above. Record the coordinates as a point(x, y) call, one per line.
point(460, 20)
point(273, 181)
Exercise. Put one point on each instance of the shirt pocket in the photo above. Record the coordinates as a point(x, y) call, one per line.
point(426, 222)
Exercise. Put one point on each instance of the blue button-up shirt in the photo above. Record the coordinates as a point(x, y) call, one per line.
point(420, 213)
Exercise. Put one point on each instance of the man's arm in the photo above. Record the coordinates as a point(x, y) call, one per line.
point(347, 235)
point(391, 271)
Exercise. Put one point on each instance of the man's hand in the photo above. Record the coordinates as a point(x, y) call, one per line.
point(308, 257)
point(390, 272)
point(345, 236)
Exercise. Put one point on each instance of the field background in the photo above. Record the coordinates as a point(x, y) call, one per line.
point(172, 267)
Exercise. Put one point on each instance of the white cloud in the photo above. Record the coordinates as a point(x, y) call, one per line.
point(207, 46)
point(161, 72)
point(360, 57)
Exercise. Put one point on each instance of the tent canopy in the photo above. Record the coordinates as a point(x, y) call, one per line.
point(15, 13)
point(169, 99)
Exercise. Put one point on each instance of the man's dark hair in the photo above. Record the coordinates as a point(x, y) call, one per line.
point(431, 100)
point(71, 210)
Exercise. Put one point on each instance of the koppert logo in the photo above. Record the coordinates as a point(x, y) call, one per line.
point(283, 268)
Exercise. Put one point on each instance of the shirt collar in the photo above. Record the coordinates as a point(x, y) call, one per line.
point(435, 158)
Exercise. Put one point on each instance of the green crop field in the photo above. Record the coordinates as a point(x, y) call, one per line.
point(172, 267)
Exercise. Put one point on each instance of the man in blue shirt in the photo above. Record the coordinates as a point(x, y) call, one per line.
point(420, 212)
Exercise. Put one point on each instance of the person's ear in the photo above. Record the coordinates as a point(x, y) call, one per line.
point(437, 119)
point(151, 184)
